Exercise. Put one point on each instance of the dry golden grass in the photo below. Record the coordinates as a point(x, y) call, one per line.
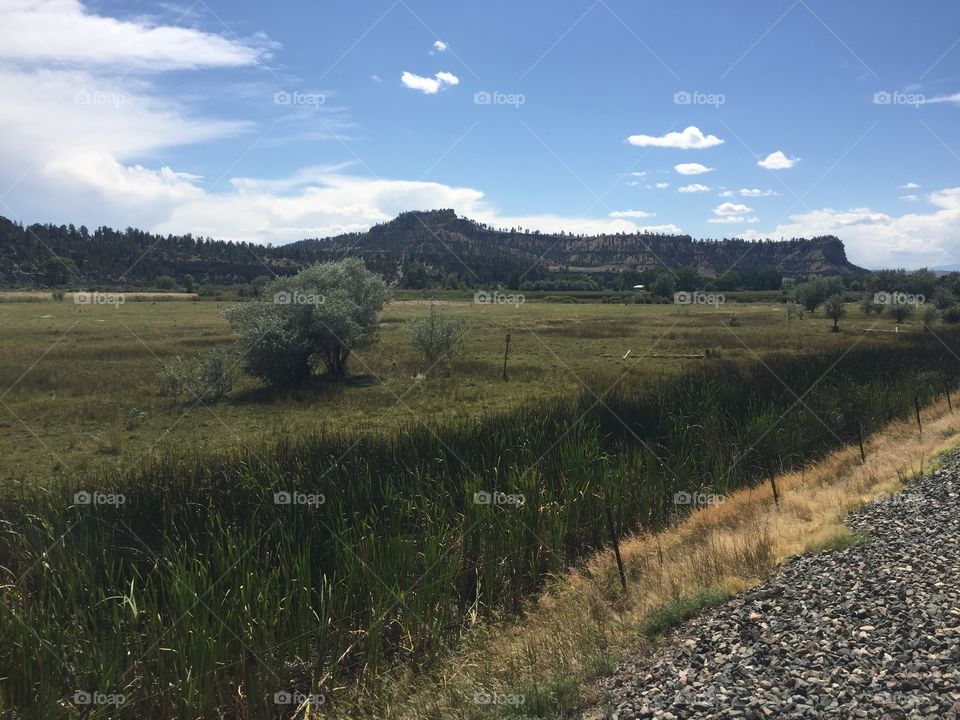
point(584, 621)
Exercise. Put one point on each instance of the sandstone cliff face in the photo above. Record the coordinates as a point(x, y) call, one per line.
point(439, 239)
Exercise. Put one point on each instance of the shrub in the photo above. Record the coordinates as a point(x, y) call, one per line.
point(57, 295)
point(735, 320)
point(318, 315)
point(930, 316)
point(952, 315)
point(164, 282)
point(900, 311)
point(206, 377)
point(436, 336)
point(869, 307)
point(835, 310)
point(794, 310)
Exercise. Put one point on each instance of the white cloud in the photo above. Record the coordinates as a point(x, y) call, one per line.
point(428, 86)
point(910, 198)
point(63, 32)
point(727, 193)
point(669, 229)
point(631, 214)
point(733, 220)
point(732, 214)
point(955, 98)
point(909, 186)
point(875, 239)
point(662, 186)
point(690, 139)
point(777, 161)
point(640, 174)
point(694, 188)
point(692, 169)
point(376, 78)
point(439, 45)
point(757, 192)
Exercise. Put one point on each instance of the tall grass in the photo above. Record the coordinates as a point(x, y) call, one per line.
point(199, 596)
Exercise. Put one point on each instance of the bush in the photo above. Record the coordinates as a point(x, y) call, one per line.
point(835, 310)
point(206, 377)
point(57, 295)
point(930, 316)
point(952, 315)
point(869, 307)
point(735, 320)
point(318, 315)
point(794, 310)
point(900, 311)
point(436, 336)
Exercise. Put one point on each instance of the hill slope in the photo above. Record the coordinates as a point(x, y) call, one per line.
point(442, 241)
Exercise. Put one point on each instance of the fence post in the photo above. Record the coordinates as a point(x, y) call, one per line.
point(616, 548)
point(863, 455)
point(916, 406)
point(506, 350)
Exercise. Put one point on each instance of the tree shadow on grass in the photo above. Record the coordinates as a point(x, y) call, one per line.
point(318, 388)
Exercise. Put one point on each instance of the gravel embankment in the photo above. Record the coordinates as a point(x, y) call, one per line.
point(872, 631)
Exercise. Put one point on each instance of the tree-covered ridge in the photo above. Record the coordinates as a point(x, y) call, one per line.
point(436, 244)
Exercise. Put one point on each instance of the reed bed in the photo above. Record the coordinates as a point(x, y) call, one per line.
point(204, 594)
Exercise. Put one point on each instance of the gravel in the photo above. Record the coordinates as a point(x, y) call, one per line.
point(871, 631)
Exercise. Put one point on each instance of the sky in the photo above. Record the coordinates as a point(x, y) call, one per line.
point(271, 122)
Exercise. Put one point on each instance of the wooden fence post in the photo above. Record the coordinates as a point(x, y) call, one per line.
point(506, 350)
point(616, 548)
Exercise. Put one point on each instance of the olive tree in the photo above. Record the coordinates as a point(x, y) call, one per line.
point(317, 316)
point(436, 335)
point(835, 310)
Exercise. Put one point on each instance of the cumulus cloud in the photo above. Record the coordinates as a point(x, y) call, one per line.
point(64, 32)
point(631, 214)
point(728, 208)
point(876, 239)
point(757, 192)
point(662, 186)
point(439, 45)
point(909, 186)
point(692, 169)
point(732, 213)
point(690, 139)
point(694, 188)
point(910, 198)
point(777, 161)
point(426, 85)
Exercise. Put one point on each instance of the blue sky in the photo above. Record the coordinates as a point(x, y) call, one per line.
point(271, 122)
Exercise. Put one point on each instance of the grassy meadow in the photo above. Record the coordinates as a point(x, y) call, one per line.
point(276, 555)
point(80, 381)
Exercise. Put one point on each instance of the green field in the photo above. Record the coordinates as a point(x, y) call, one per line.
point(79, 382)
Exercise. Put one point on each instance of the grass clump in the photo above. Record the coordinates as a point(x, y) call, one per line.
point(678, 611)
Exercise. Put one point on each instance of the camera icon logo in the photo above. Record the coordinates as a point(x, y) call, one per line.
point(282, 98)
point(682, 498)
point(882, 97)
point(282, 498)
point(82, 498)
point(482, 498)
point(81, 697)
point(482, 98)
point(682, 98)
point(681, 298)
point(282, 298)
